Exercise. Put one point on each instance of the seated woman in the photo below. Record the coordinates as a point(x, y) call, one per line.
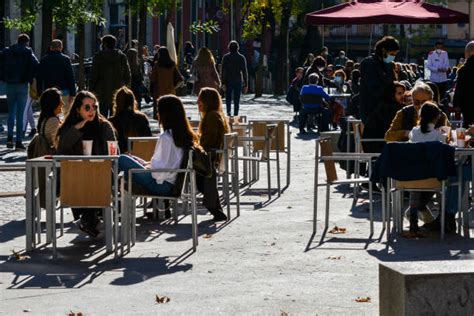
point(425, 132)
point(177, 137)
point(84, 122)
point(126, 119)
point(51, 104)
point(212, 128)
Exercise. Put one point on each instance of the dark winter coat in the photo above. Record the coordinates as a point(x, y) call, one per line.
point(375, 78)
point(55, 70)
point(109, 72)
point(70, 138)
point(464, 94)
point(130, 124)
point(18, 64)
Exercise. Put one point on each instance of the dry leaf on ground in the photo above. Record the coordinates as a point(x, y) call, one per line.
point(71, 313)
point(334, 258)
point(18, 256)
point(161, 299)
point(338, 230)
point(207, 236)
point(26, 310)
point(363, 299)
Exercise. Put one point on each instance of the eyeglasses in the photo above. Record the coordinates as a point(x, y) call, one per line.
point(88, 107)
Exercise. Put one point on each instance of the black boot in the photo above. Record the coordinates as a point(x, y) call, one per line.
point(219, 216)
point(414, 221)
point(10, 142)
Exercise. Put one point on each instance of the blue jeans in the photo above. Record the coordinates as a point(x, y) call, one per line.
point(144, 180)
point(233, 90)
point(17, 95)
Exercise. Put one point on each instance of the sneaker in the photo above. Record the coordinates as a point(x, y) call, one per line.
point(19, 146)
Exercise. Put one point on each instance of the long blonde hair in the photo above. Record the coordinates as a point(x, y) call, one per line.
point(204, 57)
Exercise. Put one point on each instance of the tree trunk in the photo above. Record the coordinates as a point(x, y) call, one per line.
point(46, 26)
point(260, 67)
point(81, 33)
point(281, 79)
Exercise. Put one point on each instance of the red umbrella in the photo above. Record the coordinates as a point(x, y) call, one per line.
point(385, 12)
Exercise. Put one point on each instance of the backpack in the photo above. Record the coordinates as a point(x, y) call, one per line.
point(39, 146)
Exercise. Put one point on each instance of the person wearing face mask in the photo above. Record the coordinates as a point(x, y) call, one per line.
point(438, 64)
point(376, 75)
point(408, 117)
point(341, 60)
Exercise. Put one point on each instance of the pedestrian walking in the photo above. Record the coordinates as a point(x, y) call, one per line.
point(234, 77)
point(18, 68)
point(204, 71)
point(136, 74)
point(110, 71)
point(376, 75)
point(55, 70)
point(165, 76)
point(438, 64)
point(464, 94)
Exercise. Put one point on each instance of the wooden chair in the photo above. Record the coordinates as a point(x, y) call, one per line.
point(186, 193)
point(282, 146)
point(325, 154)
point(88, 182)
point(142, 147)
point(262, 146)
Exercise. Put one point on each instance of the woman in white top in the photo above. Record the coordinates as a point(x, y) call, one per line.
point(426, 131)
point(177, 138)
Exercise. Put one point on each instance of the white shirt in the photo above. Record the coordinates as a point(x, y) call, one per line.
point(166, 156)
point(417, 136)
point(438, 61)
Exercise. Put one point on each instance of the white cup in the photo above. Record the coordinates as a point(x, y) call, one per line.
point(87, 147)
point(112, 147)
point(461, 137)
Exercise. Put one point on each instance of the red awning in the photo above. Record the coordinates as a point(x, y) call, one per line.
point(385, 12)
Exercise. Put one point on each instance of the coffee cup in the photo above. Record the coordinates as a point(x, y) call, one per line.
point(112, 147)
point(461, 137)
point(87, 147)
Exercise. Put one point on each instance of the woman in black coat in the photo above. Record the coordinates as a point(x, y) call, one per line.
point(84, 122)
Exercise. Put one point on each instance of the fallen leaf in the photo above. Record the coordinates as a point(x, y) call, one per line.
point(71, 313)
point(334, 258)
point(26, 310)
point(363, 299)
point(289, 207)
point(338, 230)
point(207, 236)
point(18, 256)
point(162, 299)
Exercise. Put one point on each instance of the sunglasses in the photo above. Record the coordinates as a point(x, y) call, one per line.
point(88, 107)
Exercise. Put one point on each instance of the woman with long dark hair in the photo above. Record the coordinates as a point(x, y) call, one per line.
point(126, 119)
point(165, 76)
point(84, 122)
point(177, 138)
point(51, 104)
point(212, 129)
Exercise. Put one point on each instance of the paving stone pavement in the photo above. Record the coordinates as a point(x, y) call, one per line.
point(264, 262)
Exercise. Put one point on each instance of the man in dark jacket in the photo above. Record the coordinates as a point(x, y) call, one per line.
point(463, 94)
point(18, 67)
point(55, 70)
point(234, 77)
point(110, 71)
point(376, 75)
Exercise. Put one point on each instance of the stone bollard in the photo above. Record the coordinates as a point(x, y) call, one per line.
point(427, 288)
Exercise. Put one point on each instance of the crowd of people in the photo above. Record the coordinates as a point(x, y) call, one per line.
point(393, 100)
point(110, 110)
